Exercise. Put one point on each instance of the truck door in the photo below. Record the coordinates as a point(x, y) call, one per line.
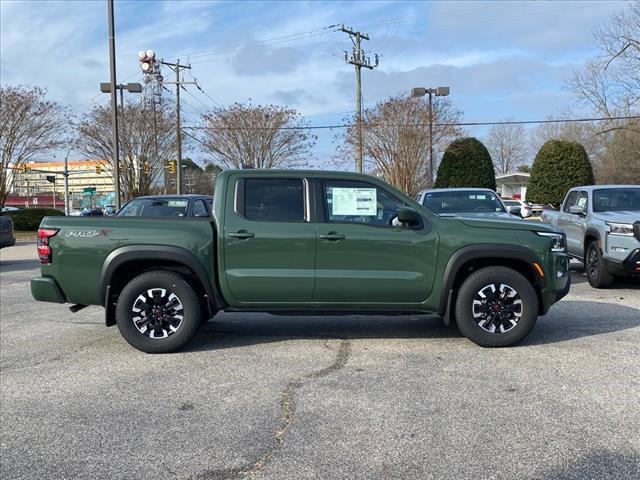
point(575, 225)
point(362, 258)
point(565, 218)
point(269, 242)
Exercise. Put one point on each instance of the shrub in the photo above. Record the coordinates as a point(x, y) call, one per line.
point(558, 166)
point(466, 163)
point(30, 218)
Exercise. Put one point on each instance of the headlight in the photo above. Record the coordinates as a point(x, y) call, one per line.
point(620, 229)
point(559, 241)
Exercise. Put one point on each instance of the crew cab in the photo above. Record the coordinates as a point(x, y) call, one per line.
point(602, 224)
point(303, 242)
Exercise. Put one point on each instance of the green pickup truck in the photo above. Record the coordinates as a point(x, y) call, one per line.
point(303, 242)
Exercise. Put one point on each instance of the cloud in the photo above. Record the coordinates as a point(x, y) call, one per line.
point(499, 58)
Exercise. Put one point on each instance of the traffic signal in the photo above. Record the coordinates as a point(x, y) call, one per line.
point(145, 168)
point(172, 166)
point(98, 169)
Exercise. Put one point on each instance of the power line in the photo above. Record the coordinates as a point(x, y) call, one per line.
point(461, 124)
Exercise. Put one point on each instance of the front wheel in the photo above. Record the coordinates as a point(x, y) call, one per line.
point(158, 312)
point(597, 273)
point(496, 307)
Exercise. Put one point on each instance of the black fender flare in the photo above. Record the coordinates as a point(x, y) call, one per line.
point(479, 252)
point(590, 232)
point(178, 255)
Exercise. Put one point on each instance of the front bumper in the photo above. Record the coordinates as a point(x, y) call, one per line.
point(630, 265)
point(558, 281)
point(45, 289)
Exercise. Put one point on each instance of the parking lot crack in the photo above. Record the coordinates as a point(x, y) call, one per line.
point(288, 406)
point(288, 410)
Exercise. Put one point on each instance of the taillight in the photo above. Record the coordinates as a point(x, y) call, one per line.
point(44, 250)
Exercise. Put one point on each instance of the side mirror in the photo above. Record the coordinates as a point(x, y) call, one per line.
point(515, 210)
point(577, 210)
point(408, 216)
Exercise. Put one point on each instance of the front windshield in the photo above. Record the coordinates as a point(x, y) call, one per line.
point(155, 207)
point(616, 199)
point(462, 202)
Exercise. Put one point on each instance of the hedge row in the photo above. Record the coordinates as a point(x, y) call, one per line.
point(29, 219)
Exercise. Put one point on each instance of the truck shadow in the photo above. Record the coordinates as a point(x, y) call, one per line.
point(19, 265)
point(568, 320)
point(578, 276)
point(598, 463)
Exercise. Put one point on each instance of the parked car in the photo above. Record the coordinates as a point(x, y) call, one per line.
point(536, 209)
point(168, 206)
point(466, 201)
point(602, 224)
point(525, 210)
point(10, 209)
point(6, 232)
point(305, 241)
point(95, 212)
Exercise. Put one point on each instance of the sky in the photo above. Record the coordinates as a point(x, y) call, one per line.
point(500, 59)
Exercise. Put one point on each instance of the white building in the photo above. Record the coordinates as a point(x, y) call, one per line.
point(513, 185)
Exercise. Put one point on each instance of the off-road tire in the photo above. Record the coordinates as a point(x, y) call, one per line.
point(172, 283)
point(595, 267)
point(478, 281)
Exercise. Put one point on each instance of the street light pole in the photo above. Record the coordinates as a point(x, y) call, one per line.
point(430, 138)
point(438, 92)
point(114, 103)
point(66, 183)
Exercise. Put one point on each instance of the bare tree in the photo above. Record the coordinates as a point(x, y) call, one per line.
point(619, 161)
point(29, 126)
point(614, 153)
point(508, 147)
point(256, 136)
point(147, 141)
point(396, 139)
point(585, 133)
point(610, 82)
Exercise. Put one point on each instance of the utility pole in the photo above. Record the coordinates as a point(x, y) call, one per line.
point(150, 67)
point(114, 102)
point(358, 59)
point(177, 68)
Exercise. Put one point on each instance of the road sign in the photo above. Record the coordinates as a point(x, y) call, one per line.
point(89, 190)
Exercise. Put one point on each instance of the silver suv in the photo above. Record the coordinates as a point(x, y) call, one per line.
point(602, 224)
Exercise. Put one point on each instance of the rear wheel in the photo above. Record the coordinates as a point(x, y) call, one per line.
point(158, 312)
point(596, 270)
point(496, 307)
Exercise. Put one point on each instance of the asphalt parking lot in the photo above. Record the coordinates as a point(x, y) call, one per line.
point(261, 396)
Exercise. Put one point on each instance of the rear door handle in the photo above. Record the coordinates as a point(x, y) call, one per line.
point(242, 234)
point(332, 236)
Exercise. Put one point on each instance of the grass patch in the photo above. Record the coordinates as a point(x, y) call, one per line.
point(25, 235)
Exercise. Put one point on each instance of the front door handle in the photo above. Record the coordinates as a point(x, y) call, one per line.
point(242, 234)
point(332, 236)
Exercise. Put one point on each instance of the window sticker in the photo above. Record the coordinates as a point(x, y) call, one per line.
point(354, 201)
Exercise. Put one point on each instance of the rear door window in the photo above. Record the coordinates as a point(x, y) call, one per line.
point(274, 199)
